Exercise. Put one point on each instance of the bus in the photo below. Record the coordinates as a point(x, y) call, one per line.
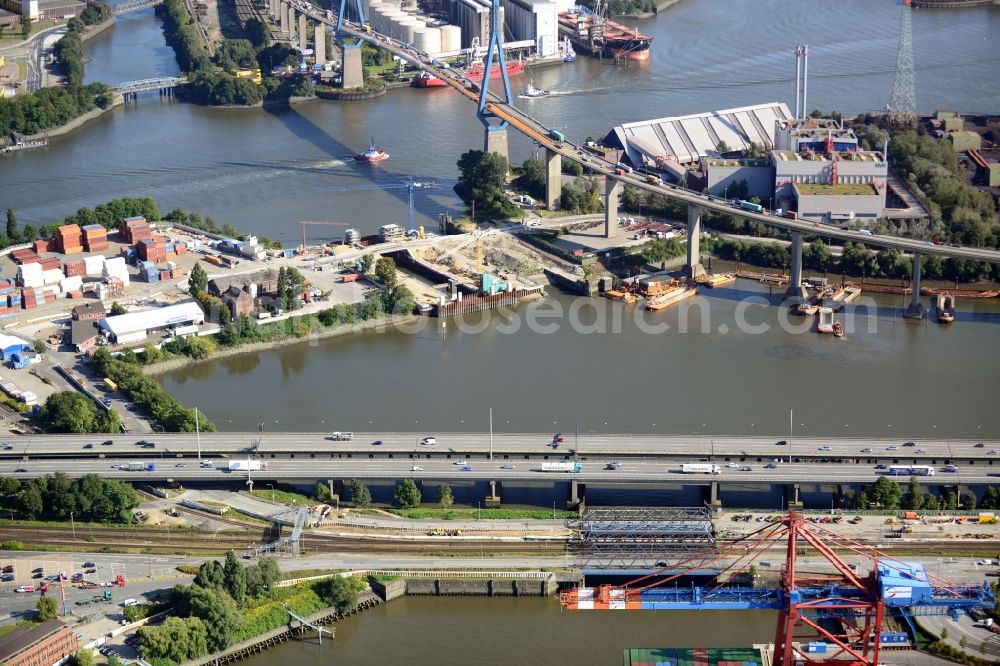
point(911, 470)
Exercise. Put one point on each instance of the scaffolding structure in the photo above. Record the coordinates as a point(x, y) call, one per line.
point(642, 537)
point(290, 545)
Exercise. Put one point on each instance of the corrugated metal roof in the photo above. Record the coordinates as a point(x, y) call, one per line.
point(689, 138)
point(8, 341)
point(134, 322)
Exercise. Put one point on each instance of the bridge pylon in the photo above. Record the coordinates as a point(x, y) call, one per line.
point(496, 135)
point(342, 16)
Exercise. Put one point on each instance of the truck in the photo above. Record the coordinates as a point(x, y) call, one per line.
point(557, 135)
point(755, 208)
point(562, 467)
point(110, 384)
point(136, 467)
point(246, 466)
point(700, 468)
point(341, 436)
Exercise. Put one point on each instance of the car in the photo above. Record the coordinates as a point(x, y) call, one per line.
point(781, 442)
point(825, 447)
point(52, 577)
point(467, 468)
point(771, 466)
point(881, 466)
point(429, 441)
point(613, 465)
point(867, 449)
point(8, 568)
point(88, 445)
point(377, 442)
point(746, 468)
point(20, 470)
point(978, 446)
point(89, 565)
point(181, 465)
point(7, 577)
point(90, 571)
point(38, 570)
point(107, 442)
point(993, 452)
point(732, 465)
point(25, 588)
point(149, 445)
point(459, 462)
point(921, 450)
point(507, 466)
point(909, 444)
point(949, 468)
point(77, 576)
point(38, 575)
point(416, 468)
point(892, 447)
point(985, 562)
point(7, 446)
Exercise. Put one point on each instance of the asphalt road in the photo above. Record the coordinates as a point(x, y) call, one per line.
point(630, 471)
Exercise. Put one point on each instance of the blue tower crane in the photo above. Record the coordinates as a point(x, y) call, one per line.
point(411, 185)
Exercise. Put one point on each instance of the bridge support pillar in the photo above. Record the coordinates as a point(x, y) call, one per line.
point(352, 73)
point(577, 495)
point(283, 18)
point(319, 36)
point(796, 291)
point(272, 7)
point(792, 496)
point(694, 268)
point(553, 179)
point(496, 141)
point(493, 499)
point(916, 309)
point(612, 188)
point(303, 25)
point(714, 497)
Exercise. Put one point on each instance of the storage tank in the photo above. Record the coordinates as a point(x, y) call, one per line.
point(451, 38)
point(390, 16)
point(408, 28)
point(428, 40)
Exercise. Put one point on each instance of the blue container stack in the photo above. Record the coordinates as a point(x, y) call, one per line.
point(149, 271)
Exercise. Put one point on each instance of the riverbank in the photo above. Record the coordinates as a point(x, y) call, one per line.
point(77, 122)
point(177, 362)
point(952, 4)
point(664, 5)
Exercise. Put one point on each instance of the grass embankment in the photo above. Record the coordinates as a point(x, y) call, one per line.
point(285, 497)
point(482, 514)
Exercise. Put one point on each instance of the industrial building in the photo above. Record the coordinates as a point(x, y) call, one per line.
point(536, 20)
point(50, 642)
point(83, 334)
point(136, 326)
point(687, 139)
point(10, 344)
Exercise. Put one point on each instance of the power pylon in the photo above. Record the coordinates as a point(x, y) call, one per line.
point(903, 104)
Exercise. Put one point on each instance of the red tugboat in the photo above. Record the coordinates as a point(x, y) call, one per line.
point(373, 154)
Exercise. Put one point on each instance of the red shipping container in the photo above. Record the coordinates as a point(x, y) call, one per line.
point(43, 245)
point(50, 263)
point(181, 249)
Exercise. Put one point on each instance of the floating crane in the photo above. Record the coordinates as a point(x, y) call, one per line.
point(844, 608)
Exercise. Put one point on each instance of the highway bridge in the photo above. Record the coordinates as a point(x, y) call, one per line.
point(557, 149)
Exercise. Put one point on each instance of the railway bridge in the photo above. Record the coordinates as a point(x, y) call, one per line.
point(129, 7)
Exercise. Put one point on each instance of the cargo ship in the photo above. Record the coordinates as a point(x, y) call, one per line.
point(475, 71)
point(672, 297)
point(427, 80)
point(600, 37)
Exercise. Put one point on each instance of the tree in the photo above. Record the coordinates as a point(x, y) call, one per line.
point(863, 501)
point(532, 177)
point(408, 495)
point(30, 501)
point(198, 280)
point(269, 572)
point(482, 178)
point(47, 608)
point(360, 495)
point(12, 232)
point(39, 346)
point(989, 497)
point(219, 613)
point(445, 498)
point(722, 147)
point(339, 592)
point(322, 492)
point(886, 493)
point(950, 501)
point(151, 355)
point(132, 613)
point(68, 412)
point(367, 262)
point(385, 272)
point(210, 575)
point(200, 347)
point(25, 26)
point(944, 633)
point(29, 233)
point(235, 579)
point(117, 309)
point(915, 495)
point(83, 657)
point(9, 486)
point(372, 307)
point(963, 642)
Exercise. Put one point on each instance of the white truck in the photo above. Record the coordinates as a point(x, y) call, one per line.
point(562, 467)
point(246, 465)
point(341, 436)
point(700, 468)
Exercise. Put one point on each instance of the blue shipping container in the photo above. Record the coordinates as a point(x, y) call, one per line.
point(895, 638)
point(816, 647)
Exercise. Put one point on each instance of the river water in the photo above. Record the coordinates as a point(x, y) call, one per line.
point(471, 630)
point(264, 171)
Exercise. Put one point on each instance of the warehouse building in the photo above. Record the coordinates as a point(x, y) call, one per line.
point(11, 344)
point(136, 326)
point(51, 642)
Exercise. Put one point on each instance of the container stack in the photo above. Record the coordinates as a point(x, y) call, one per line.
point(29, 299)
point(30, 275)
point(69, 238)
point(152, 249)
point(43, 245)
point(24, 256)
point(52, 276)
point(135, 229)
point(9, 295)
point(116, 268)
point(93, 265)
point(51, 264)
point(95, 238)
point(75, 268)
point(180, 248)
point(68, 284)
point(149, 271)
point(112, 287)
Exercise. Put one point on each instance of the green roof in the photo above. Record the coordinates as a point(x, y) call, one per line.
point(856, 189)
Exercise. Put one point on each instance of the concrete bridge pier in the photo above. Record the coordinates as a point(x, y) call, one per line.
point(293, 20)
point(319, 36)
point(273, 8)
point(714, 497)
point(493, 499)
point(303, 30)
point(352, 73)
point(283, 18)
point(496, 141)
point(694, 267)
point(553, 179)
point(612, 189)
point(577, 495)
point(792, 500)
point(916, 309)
point(796, 291)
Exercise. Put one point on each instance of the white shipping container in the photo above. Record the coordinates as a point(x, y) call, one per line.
point(74, 283)
point(52, 277)
point(93, 265)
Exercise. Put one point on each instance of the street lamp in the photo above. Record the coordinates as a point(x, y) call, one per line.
point(271, 486)
point(72, 524)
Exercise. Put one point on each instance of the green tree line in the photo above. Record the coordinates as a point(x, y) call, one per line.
point(55, 497)
point(73, 412)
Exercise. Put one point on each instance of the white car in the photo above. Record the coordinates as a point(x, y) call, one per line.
point(731, 465)
point(824, 448)
point(460, 462)
point(429, 441)
point(416, 468)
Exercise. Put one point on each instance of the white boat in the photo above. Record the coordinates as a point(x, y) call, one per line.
point(532, 91)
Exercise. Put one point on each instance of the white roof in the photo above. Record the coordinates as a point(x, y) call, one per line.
point(688, 138)
point(7, 341)
point(134, 322)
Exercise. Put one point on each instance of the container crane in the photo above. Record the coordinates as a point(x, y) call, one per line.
point(410, 186)
point(856, 602)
